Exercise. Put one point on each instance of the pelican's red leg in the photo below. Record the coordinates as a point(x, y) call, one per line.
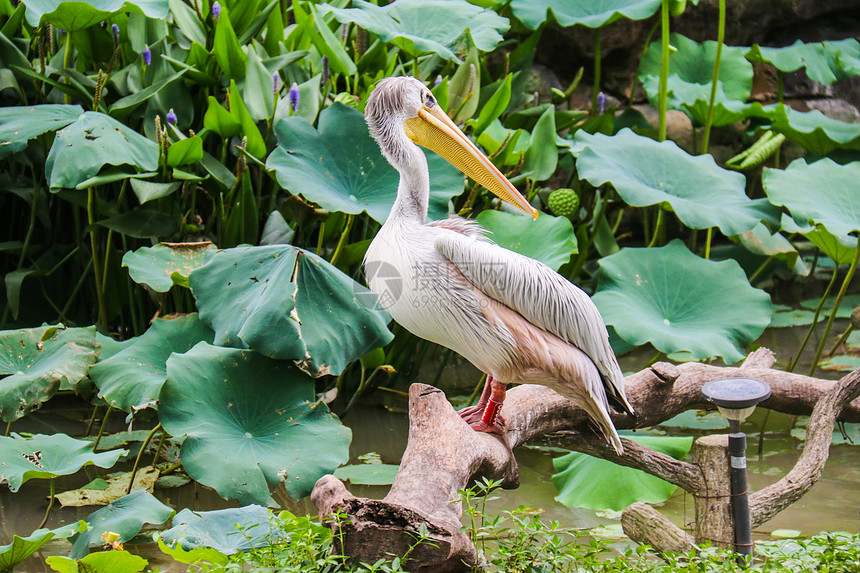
point(488, 408)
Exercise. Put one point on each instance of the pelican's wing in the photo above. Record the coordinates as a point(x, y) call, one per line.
point(541, 296)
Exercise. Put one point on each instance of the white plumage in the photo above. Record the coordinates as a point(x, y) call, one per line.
point(511, 316)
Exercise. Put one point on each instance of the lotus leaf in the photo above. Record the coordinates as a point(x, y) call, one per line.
point(18, 125)
point(341, 168)
point(36, 362)
point(841, 363)
point(594, 483)
point(166, 264)
point(23, 547)
point(101, 562)
point(817, 132)
point(426, 26)
point(44, 456)
point(848, 303)
point(132, 378)
point(228, 531)
point(825, 62)
point(288, 303)
point(590, 13)
point(102, 492)
point(194, 555)
point(784, 316)
point(250, 421)
point(77, 15)
point(761, 242)
point(125, 516)
point(89, 143)
point(368, 474)
point(679, 302)
point(517, 232)
point(645, 172)
point(831, 245)
point(823, 193)
point(691, 69)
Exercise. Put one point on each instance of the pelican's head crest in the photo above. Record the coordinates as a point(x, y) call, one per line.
point(391, 103)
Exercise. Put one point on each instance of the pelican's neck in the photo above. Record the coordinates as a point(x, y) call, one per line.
point(413, 192)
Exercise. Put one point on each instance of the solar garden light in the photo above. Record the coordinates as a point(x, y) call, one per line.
point(736, 398)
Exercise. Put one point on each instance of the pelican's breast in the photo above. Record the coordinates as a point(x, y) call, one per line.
point(426, 294)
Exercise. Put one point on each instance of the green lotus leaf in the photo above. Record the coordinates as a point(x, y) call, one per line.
point(367, 474)
point(101, 562)
point(18, 125)
point(22, 547)
point(132, 378)
point(45, 457)
point(679, 302)
point(825, 62)
point(426, 26)
point(817, 132)
point(89, 143)
point(590, 13)
point(760, 241)
point(288, 303)
point(228, 531)
point(849, 302)
point(517, 233)
point(36, 362)
point(193, 556)
point(594, 483)
point(784, 316)
point(125, 516)
point(691, 69)
point(645, 172)
point(77, 15)
point(166, 264)
point(823, 192)
point(256, 416)
point(341, 168)
point(831, 245)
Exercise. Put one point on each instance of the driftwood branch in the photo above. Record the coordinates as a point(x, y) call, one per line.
point(444, 456)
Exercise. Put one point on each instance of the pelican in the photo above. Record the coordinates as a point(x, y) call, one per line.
point(513, 317)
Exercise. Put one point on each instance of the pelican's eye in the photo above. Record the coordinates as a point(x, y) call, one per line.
point(429, 100)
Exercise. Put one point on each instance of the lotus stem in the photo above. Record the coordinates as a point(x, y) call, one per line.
point(158, 447)
point(50, 506)
point(793, 364)
point(8, 427)
point(845, 282)
point(67, 61)
point(140, 455)
point(841, 340)
point(320, 239)
point(477, 389)
point(664, 69)
point(721, 34)
point(760, 269)
point(91, 219)
point(708, 239)
point(110, 236)
point(102, 427)
point(77, 288)
point(92, 419)
point(343, 236)
point(658, 227)
point(596, 89)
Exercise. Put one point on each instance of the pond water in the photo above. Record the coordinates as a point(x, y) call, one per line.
point(833, 504)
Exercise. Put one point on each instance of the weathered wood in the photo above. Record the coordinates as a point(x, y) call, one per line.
point(714, 521)
point(444, 455)
point(644, 524)
point(766, 503)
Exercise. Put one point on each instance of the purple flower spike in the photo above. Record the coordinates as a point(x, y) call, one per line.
point(294, 97)
point(325, 71)
point(276, 82)
point(147, 55)
point(437, 81)
point(171, 117)
point(216, 11)
point(115, 31)
point(601, 102)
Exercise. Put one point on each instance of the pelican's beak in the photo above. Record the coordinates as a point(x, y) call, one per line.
point(433, 129)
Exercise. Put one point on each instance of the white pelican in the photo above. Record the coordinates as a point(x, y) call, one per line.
point(513, 317)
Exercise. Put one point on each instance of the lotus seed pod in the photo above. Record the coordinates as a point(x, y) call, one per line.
point(563, 202)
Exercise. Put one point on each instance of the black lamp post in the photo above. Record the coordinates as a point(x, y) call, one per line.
point(736, 398)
